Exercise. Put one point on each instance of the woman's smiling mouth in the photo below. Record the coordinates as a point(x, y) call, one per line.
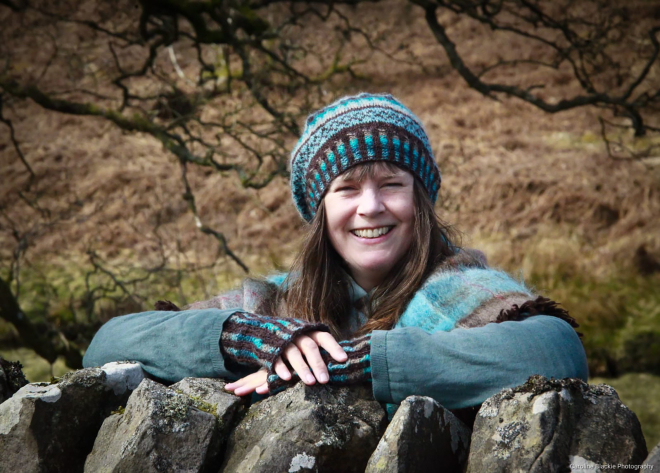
point(372, 232)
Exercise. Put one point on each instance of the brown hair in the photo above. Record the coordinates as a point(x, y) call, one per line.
point(317, 289)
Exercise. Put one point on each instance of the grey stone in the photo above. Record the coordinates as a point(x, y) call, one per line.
point(51, 427)
point(208, 394)
point(653, 460)
point(160, 430)
point(423, 436)
point(316, 428)
point(547, 425)
point(225, 406)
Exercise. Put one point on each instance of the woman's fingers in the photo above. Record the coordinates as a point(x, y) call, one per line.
point(297, 362)
point(304, 357)
point(249, 383)
point(329, 344)
point(281, 369)
point(314, 359)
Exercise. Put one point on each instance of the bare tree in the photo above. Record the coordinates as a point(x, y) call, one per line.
point(224, 86)
point(583, 37)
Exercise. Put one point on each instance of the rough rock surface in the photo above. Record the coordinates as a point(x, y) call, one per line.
point(422, 436)
point(51, 427)
point(209, 394)
point(308, 428)
point(541, 426)
point(11, 378)
point(547, 425)
point(160, 430)
point(225, 406)
point(653, 459)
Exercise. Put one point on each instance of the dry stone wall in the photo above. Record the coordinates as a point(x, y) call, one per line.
point(113, 419)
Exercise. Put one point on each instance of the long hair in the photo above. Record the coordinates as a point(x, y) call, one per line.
point(317, 289)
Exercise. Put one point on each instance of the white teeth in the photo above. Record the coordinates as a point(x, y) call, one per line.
point(372, 233)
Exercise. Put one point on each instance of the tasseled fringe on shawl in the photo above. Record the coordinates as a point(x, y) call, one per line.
point(540, 306)
point(166, 305)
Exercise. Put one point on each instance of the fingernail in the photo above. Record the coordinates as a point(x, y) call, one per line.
point(310, 378)
point(323, 378)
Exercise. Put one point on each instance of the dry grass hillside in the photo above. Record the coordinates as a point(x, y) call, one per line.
point(537, 192)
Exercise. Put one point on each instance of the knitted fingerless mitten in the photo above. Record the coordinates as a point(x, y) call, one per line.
point(257, 340)
point(357, 369)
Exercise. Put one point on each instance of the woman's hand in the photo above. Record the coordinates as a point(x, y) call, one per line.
point(252, 382)
point(303, 345)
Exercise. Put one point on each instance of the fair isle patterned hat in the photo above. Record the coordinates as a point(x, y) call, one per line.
point(355, 130)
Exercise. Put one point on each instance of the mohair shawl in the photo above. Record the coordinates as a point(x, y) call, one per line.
point(463, 292)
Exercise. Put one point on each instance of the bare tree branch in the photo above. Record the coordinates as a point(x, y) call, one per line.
point(12, 136)
point(618, 103)
point(41, 344)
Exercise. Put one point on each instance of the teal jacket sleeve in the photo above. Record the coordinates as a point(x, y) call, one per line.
point(168, 345)
point(464, 367)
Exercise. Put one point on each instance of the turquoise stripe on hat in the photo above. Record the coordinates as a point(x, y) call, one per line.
point(341, 149)
point(355, 148)
point(383, 144)
point(318, 179)
point(369, 141)
point(324, 170)
point(333, 164)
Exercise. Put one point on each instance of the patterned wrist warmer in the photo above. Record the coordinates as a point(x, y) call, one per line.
point(257, 340)
point(356, 369)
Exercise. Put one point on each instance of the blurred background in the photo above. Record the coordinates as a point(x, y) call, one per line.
point(144, 148)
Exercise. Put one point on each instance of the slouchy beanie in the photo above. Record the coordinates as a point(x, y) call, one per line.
point(355, 130)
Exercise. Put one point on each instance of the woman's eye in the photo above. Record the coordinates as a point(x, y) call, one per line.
point(394, 184)
point(344, 188)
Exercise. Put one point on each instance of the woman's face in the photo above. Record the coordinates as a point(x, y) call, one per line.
point(370, 223)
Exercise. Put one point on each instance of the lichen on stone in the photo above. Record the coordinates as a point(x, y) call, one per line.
point(537, 384)
point(172, 409)
point(509, 438)
point(202, 405)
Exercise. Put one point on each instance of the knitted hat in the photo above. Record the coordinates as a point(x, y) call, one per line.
point(355, 130)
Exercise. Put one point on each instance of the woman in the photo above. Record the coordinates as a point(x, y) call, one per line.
point(378, 272)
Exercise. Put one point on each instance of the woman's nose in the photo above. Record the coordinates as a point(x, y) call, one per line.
point(371, 203)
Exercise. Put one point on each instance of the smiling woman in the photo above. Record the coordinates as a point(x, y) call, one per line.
point(381, 291)
point(369, 220)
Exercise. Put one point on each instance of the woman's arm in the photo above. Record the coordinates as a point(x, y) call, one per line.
point(464, 367)
point(168, 345)
point(226, 343)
